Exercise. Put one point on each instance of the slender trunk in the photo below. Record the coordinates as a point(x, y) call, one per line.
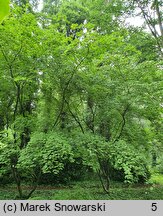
point(35, 184)
point(76, 118)
point(17, 180)
point(91, 116)
point(105, 181)
point(103, 174)
point(154, 159)
point(159, 19)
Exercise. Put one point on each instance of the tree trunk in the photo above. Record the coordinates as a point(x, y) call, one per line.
point(17, 180)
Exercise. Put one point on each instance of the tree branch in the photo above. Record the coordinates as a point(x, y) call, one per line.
point(66, 87)
point(123, 122)
point(75, 117)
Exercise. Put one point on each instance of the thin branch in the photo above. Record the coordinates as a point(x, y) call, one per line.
point(75, 117)
point(66, 87)
point(151, 25)
point(159, 18)
point(123, 122)
point(36, 181)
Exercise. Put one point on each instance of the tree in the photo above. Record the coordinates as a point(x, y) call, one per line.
point(45, 153)
point(113, 73)
point(19, 52)
point(65, 72)
point(151, 11)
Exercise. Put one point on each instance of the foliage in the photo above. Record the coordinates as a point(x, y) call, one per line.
point(89, 147)
point(46, 152)
point(79, 90)
point(4, 9)
point(127, 158)
point(9, 152)
point(120, 155)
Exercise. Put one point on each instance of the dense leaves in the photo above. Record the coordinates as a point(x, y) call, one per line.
point(78, 88)
point(45, 151)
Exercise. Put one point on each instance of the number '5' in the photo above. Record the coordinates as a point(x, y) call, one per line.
point(154, 206)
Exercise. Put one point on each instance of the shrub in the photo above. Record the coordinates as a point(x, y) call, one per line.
point(130, 161)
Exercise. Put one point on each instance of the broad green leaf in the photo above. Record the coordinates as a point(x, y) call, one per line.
point(4, 8)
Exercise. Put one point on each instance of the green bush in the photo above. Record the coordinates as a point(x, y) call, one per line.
point(72, 171)
point(46, 153)
point(124, 162)
point(130, 161)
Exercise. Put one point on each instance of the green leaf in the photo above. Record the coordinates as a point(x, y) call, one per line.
point(4, 9)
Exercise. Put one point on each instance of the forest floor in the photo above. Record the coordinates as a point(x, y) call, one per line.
point(91, 190)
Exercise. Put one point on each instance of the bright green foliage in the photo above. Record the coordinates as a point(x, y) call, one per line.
point(9, 152)
point(156, 179)
point(4, 9)
point(46, 152)
point(131, 161)
point(94, 150)
point(78, 86)
point(19, 75)
point(91, 148)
